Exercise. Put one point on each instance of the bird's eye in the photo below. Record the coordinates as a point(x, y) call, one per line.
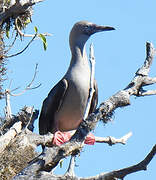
point(86, 27)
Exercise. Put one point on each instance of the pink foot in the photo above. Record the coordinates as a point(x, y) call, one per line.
point(62, 137)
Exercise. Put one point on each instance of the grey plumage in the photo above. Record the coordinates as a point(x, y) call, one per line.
point(64, 107)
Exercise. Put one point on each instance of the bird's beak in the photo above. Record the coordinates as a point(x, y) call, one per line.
point(103, 28)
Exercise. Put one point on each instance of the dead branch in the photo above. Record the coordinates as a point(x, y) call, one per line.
point(113, 175)
point(111, 140)
point(28, 87)
point(8, 114)
point(138, 167)
point(92, 76)
point(23, 116)
point(6, 138)
point(17, 150)
point(120, 174)
point(8, 93)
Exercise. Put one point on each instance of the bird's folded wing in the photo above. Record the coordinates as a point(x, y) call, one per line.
point(50, 106)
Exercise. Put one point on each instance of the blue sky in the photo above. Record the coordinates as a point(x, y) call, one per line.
point(118, 55)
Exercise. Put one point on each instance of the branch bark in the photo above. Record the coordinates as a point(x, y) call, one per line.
point(6, 138)
point(111, 140)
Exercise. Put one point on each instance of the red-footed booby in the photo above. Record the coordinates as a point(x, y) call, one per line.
point(64, 107)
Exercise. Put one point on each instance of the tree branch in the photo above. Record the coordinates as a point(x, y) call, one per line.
point(20, 7)
point(92, 76)
point(27, 35)
point(6, 138)
point(28, 87)
point(111, 140)
point(120, 174)
point(138, 167)
point(113, 175)
point(13, 55)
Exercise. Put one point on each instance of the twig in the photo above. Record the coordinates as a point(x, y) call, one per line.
point(10, 46)
point(30, 110)
point(8, 114)
point(28, 87)
point(27, 35)
point(23, 49)
point(147, 93)
point(92, 74)
point(70, 171)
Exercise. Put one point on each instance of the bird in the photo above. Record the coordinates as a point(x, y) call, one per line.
point(63, 109)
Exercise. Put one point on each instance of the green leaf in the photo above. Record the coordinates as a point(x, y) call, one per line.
point(61, 163)
point(27, 21)
point(7, 33)
point(43, 38)
point(36, 30)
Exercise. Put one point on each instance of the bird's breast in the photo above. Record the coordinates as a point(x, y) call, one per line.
point(72, 109)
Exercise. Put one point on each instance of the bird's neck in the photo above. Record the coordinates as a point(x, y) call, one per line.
point(79, 62)
point(78, 51)
point(79, 57)
point(77, 45)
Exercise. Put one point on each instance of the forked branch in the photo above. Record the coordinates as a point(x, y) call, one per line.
point(120, 174)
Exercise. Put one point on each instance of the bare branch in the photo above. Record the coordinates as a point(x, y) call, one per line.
point(70, 170)
point(92, 74)
point(8, 114)
point(10, 46)
point(120, 174)
point(27, 35)
point(149, 81)
point(150, 53)
point(28, 87)
point(113, 175)
point(111, 140)
point(138, 167)
point(147, 93)
point(13, 55)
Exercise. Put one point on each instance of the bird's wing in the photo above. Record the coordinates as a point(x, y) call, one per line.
point(51, 105)
point(94, 101)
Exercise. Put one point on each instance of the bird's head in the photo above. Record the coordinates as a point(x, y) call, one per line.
point(88, 28)
point(82, 30)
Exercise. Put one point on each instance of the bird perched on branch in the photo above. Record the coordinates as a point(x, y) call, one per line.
point(64, 107)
